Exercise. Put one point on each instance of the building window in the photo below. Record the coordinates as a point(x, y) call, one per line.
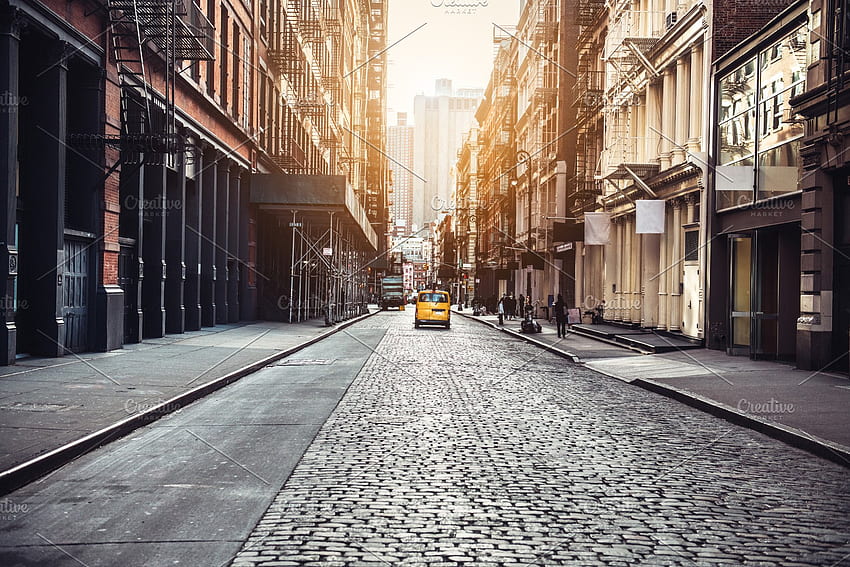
point(757, 140)
point(691, 246)
point(235, 82)
point(247, 73)
point(225, 53)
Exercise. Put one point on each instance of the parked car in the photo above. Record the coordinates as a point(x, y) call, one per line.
point(432, 308)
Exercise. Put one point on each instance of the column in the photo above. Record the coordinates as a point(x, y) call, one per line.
point(653, 122)
point(153, 251)
point(660, 275)
point(194, 214)
point(609, 277)
point(42, 184)
point(175, 259)
point(209, 194)
point(580, 284)
point(623, 243)
point(697, 93)
point(683, 108)
point(676, 270)
point(234, 261)
point(10, 40)
point(247, 243)
point(221, 232)
point(111, 301)
point(651, 253)
point(628, 271)
point(635, 301)
point(668, 117)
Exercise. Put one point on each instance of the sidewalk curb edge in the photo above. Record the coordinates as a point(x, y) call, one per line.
point(35, 468)
point(541, 344)
point(798, 438)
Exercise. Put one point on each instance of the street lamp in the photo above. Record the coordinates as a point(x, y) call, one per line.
point(523, 156)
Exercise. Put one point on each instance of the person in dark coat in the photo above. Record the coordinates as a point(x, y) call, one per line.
point(561, 316)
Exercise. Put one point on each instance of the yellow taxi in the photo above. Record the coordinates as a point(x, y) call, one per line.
point(432, 308)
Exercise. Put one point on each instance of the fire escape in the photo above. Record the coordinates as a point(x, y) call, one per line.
point(288, 59)
point(175, 31)
point(331, 138)
point(631, 34)
point(544, 85)
point(587, 98)
point(375, 138)
point(504, 160)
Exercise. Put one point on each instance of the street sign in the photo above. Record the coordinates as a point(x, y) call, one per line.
point(564, 247)
point(295, 225)
point(327, 251)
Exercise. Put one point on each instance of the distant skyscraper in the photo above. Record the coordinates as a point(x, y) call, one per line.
point(400, 150)
point(439, 124)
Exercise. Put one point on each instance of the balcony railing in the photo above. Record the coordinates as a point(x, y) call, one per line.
point(588, 88)
point(633, 29)
point(170, 25)
point(628, 152)
point(588, 10)
point(288, 154)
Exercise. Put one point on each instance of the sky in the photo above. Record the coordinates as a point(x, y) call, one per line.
point(450, 39)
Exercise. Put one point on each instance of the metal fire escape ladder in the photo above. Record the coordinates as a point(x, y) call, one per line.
point(175, 33)
point(127, 46)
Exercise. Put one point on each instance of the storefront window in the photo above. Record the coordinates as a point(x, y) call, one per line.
point(737, 136)
point(759, 140)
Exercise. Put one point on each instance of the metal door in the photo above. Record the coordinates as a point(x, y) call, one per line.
point(76, 294)
point(128, 279)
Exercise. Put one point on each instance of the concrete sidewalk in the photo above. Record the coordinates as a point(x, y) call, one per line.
point(54, 409)
point(810, 410)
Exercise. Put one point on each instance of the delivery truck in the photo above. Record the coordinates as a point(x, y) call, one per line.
point(392, 292)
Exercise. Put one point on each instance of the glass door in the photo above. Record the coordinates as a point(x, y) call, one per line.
point(766, 295)
point(740, 292)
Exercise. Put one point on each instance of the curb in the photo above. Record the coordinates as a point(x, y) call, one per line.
point(823, 448)
point(834, 452)
point(526, 338)
point(29, 471)
point(610, 342)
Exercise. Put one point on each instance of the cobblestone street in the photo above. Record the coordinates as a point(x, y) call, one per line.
point(463, 446)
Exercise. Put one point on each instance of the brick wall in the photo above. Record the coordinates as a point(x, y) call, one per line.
point(736, 20)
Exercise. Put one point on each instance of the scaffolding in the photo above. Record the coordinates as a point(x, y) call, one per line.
point(327, 275)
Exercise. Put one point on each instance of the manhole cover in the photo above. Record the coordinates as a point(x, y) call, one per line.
point(305, 362)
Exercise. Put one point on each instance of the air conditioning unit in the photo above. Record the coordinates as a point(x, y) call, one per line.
point(671, 19)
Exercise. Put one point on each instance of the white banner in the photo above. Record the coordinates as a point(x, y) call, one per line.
point(649, 217)
point(597, 228)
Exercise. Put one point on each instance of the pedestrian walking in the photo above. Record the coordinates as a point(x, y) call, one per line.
point(510, 307)
point(501, 309)
point(520, 309)
point(561, 316)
